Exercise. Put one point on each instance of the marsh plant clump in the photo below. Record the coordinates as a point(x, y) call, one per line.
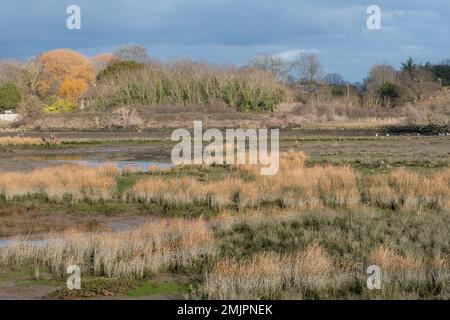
point(154, 247)
point(66, 183)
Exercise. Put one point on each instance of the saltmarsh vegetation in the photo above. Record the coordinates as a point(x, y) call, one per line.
point(20, 141)
point(65, 183)
point(308, 232)
point(154, 247)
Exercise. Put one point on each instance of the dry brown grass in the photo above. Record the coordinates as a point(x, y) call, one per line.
point(388, 260)
point(76, 183)
point(153, 247)
point(293, 186)
point(268, 275)
point(20, 141)
point(404, 189)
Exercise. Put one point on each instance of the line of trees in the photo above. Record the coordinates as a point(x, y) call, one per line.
point(55, 82)
point(384, 86)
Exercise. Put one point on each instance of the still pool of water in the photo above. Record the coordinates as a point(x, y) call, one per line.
point(137, 157)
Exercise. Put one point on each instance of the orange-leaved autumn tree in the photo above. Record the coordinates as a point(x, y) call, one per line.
point(65, 73)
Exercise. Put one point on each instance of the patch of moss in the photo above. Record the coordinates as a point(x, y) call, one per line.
point(94, 287)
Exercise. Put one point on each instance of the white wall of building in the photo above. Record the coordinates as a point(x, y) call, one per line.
point(10, 117)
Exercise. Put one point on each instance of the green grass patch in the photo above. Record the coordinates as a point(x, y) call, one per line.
point(150, 288)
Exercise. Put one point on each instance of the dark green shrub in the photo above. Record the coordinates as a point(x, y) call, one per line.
point(388, 93)
point(442, 71)
point(337, 91)
point(115, 69)
point(10, 96)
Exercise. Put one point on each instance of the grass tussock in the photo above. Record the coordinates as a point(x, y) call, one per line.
point(284, 254)
point(314, 274)
point(154, 247)
point(268, 275)
point(74, 183)
point(404, 189)
point(294, 186)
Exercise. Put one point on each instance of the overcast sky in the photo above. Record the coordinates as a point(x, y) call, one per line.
point(231, 31)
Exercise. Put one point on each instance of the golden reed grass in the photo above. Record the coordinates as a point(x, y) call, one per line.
point(20, 141)
point(294, 186)
point(267, 275)
point(147, 250)
point(76, 183)
point(272, 275)
point(404, 189)
point(298, 186)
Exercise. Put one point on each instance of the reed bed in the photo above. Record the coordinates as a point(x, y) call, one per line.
point(154, 247)
point(294, 186)
point(68, 182)
point(267, 275)
point(298, 186)
point(407, 190)
point(313, 273)
point(20, 141)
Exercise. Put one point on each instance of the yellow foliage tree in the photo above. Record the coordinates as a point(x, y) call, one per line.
point(65, 73)
point(71, 89)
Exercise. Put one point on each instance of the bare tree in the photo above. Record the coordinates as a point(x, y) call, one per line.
point(10, 70)
point(30, 74)
point(418, 84)
point(137, 54)
point(334, 79)
point(271, 63)
point(379, 75)
point(308, 68)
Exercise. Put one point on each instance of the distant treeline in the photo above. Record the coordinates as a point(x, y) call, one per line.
point(63, 80)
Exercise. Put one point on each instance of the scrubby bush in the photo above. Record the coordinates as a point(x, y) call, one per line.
point(59, 106)
point(115, 69)
point(10, 96)
point(388, 93)
point(337, 91)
